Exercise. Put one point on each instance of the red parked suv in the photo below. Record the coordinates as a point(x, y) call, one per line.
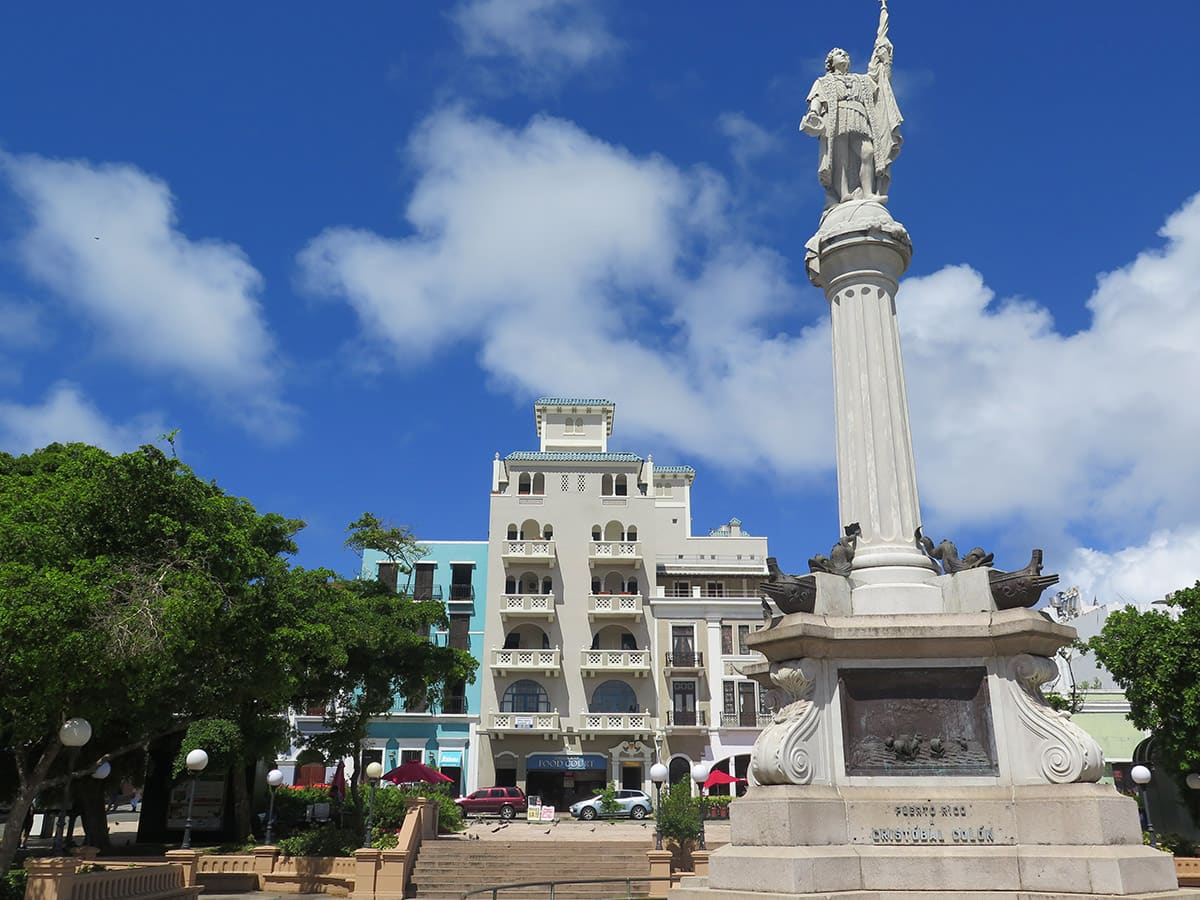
point(504, 801)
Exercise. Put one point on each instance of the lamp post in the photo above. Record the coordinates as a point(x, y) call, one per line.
point(274, 780)
point(700, 775)
point(374, 772)
point(658, 774)
point(73, 734)
point(196, 761)
point(1141, 777)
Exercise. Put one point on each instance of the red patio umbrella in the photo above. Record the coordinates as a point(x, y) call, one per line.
point(413, 771)
point(716, 776)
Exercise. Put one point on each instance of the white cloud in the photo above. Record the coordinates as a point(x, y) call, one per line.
point(67, 416)
point(104, 238)
point(1169, 560)
point(579, 268)
point(748, 140)
point(546, 39)
point(1097, 428)
point(563, 256)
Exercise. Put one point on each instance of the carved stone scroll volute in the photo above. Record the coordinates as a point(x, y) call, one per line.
point(786, 752)
point(1062, 752)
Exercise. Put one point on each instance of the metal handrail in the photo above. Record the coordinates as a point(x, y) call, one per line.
point(628, 880)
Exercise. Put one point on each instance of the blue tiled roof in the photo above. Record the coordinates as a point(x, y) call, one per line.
point(572, 401)
point(566, 456)
point(679, 470)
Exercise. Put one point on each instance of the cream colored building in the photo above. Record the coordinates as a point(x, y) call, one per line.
point(611, 634)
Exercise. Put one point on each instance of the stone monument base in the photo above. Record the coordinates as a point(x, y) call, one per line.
point(898, 841)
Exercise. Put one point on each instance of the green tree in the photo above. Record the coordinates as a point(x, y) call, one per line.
point(140, 596)
point(389, 652)
point(1156, 660)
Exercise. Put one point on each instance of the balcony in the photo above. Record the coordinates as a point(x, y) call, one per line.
point(454, 706)
point(746, 719)
point(527, 606)
point(420, 595)
point(611, 607)
point(545, 724)
point(640, 724)
point(529, 552)
point(615, 662)
point(684, 662)
point(462, 597)
point(686, 720)
point(628, 552)
point(546, 662)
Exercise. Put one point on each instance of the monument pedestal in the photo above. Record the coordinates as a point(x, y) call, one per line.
point(913, 756)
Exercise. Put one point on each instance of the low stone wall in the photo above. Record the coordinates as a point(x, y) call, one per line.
point(311, 875)
point(1187, 870)
point(59, 878)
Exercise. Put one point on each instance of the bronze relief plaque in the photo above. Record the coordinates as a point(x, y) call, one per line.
point(932, 721)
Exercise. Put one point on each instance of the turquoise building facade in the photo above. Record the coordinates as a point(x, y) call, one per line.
point(442, 733)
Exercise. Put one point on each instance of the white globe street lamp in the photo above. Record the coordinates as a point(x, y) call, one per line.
point(658, 774)
point(195, 762)
point(1141, 777)
point(374, 772)
point(274, 780)
point(73, 734)
point(700, 775)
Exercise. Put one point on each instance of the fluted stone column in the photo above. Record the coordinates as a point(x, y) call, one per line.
point(858, 257)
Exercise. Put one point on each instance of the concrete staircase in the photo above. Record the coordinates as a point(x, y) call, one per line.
point(447, 868)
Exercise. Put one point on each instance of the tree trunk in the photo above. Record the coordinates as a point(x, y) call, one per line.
point(241, 800)
point(92, 802)
point(29, 784)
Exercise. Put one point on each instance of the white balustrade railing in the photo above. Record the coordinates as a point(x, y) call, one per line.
point(616, 550)
point(614, 605)
point(623, 723)
point(615, 660)
point(549, 661)
point(527, 604)
point(527, 721)
point(529, 550)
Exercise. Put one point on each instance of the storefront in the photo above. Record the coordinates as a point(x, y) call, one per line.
point(560, 779)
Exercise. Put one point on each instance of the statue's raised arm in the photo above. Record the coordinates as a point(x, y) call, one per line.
point(857, 121)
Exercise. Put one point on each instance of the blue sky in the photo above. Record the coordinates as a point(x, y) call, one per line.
point(343, 249)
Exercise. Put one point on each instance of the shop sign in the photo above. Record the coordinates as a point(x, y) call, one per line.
point(546, 762)
point(523, 722)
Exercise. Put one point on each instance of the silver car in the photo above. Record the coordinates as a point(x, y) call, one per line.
point(635, 804)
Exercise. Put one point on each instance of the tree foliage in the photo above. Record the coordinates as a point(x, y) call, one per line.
point(144, 598)
point(1155, 658)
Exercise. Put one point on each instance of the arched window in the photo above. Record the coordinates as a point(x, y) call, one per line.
point(579, 426)
point(525, 696)
point(539, 483)
point(631, 533)
point(596, 535)
point(529, 583)
point(530, 530)
point(524, 483)
point(596, 587)
point(631, 586)
point(510, 585)
point(613, 697)
point(547, 585)
point(614, 583)
point(614, 531)
point(548, 532)
point(512, 532)
point(606, 485)
point(679, 770)
point(621, 486)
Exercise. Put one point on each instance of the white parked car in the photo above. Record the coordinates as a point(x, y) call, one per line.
point(635, 804)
